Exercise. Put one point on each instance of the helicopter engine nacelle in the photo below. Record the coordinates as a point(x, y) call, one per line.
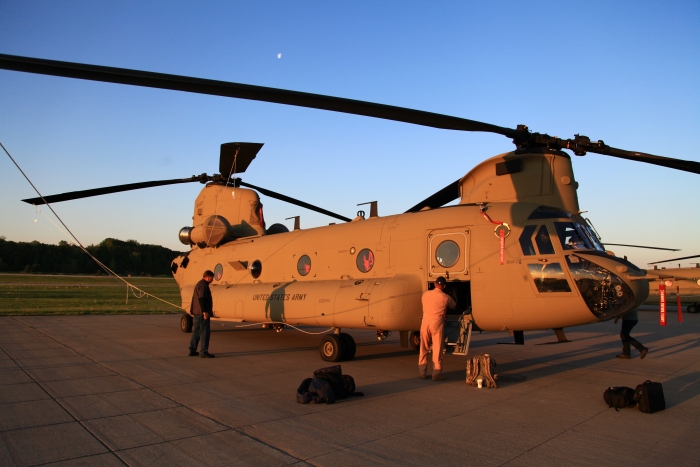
point(223, 213)
point(213, 232)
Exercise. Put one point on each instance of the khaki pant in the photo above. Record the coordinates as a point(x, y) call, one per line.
point(431, 332)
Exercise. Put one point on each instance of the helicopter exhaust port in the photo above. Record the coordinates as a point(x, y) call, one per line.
point(185, 235)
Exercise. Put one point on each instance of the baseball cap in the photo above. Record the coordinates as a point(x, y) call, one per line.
point(441, 280)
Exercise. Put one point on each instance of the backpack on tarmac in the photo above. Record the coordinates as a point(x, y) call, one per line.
point(650, 397)
point(620, 397)
point(484, 367)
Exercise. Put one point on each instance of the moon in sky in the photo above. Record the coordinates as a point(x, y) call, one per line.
point(279, 55)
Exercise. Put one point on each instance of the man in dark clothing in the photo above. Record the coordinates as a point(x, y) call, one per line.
point(202, 310)
point(629, 321)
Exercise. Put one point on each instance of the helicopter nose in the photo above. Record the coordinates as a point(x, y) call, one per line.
point(610, 286)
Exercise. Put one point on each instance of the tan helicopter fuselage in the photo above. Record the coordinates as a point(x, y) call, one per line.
point(371, 273)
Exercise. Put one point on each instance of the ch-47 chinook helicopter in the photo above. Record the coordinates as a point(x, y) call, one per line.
point(516, 252)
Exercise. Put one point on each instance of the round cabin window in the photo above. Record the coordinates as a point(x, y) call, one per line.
point(447, 253)
point(304, 265)
point(218, 272)
point(256, 269)
point(365, 260)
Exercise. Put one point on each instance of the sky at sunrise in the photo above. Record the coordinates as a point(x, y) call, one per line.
point(624, 72)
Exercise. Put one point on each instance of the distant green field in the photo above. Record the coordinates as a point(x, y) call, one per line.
point(30, 294)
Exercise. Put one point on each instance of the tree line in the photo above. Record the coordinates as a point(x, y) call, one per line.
point(122, 257)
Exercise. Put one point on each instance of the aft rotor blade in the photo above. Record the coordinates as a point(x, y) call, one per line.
point(107, 190)
point(288, 199)
point(245, 91)
point(440, 198)
point(675, 259)
point(640, 246)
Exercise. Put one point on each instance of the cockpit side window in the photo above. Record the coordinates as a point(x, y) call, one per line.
point(544, 243)
point(526, 240)
point(549, 277)
point(571, 237)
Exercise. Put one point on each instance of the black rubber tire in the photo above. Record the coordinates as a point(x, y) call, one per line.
point(186, 323)
point(414, 340)
point(331, 348)
point(693, 308)
point(349, 346)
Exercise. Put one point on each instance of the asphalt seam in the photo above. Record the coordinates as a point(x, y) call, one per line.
point(161, 395)
point(63, 407)
point(400, 433)
point(73, 458)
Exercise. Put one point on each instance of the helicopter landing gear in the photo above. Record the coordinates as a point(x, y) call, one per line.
point(414, 340)
point(186, 323)
point(349, 346)
point(330, 349)
point(337, 347)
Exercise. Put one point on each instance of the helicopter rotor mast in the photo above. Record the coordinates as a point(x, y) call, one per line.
point(521, 136)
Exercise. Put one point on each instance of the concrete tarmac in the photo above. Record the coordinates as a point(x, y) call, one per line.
point(115, 390)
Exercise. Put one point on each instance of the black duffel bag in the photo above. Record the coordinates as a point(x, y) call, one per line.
point(620, 397)
point(328, 385)
point(650, 397)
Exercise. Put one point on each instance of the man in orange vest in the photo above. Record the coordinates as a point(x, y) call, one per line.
point(435, 304)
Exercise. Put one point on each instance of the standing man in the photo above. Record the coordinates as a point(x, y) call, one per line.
point(435, 304)
point(201, 309)
point(629, 321)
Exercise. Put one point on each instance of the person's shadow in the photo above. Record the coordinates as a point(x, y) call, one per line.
point(274, 307)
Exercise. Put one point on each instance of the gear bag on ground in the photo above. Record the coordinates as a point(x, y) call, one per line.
point(328, 385)
point(482, 367)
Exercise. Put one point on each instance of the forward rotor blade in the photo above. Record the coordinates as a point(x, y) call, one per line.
point(281, 197)
point(640, 246)
point(440, 198)
point(521, 136)
point(675, 259)
point(245, 91)
point(580, 145)
point(107, 190)
point(678, 164)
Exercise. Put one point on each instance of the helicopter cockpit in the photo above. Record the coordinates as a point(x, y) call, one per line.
point(572, 245)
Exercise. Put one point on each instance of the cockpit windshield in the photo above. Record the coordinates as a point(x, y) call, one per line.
point(573, 236)
point(592, 237)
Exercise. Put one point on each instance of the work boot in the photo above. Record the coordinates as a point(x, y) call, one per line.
point(207, 355)
point(643, 353)
point(423, 371)
point(624, 355)
point(193, 353)
point(437, 376)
